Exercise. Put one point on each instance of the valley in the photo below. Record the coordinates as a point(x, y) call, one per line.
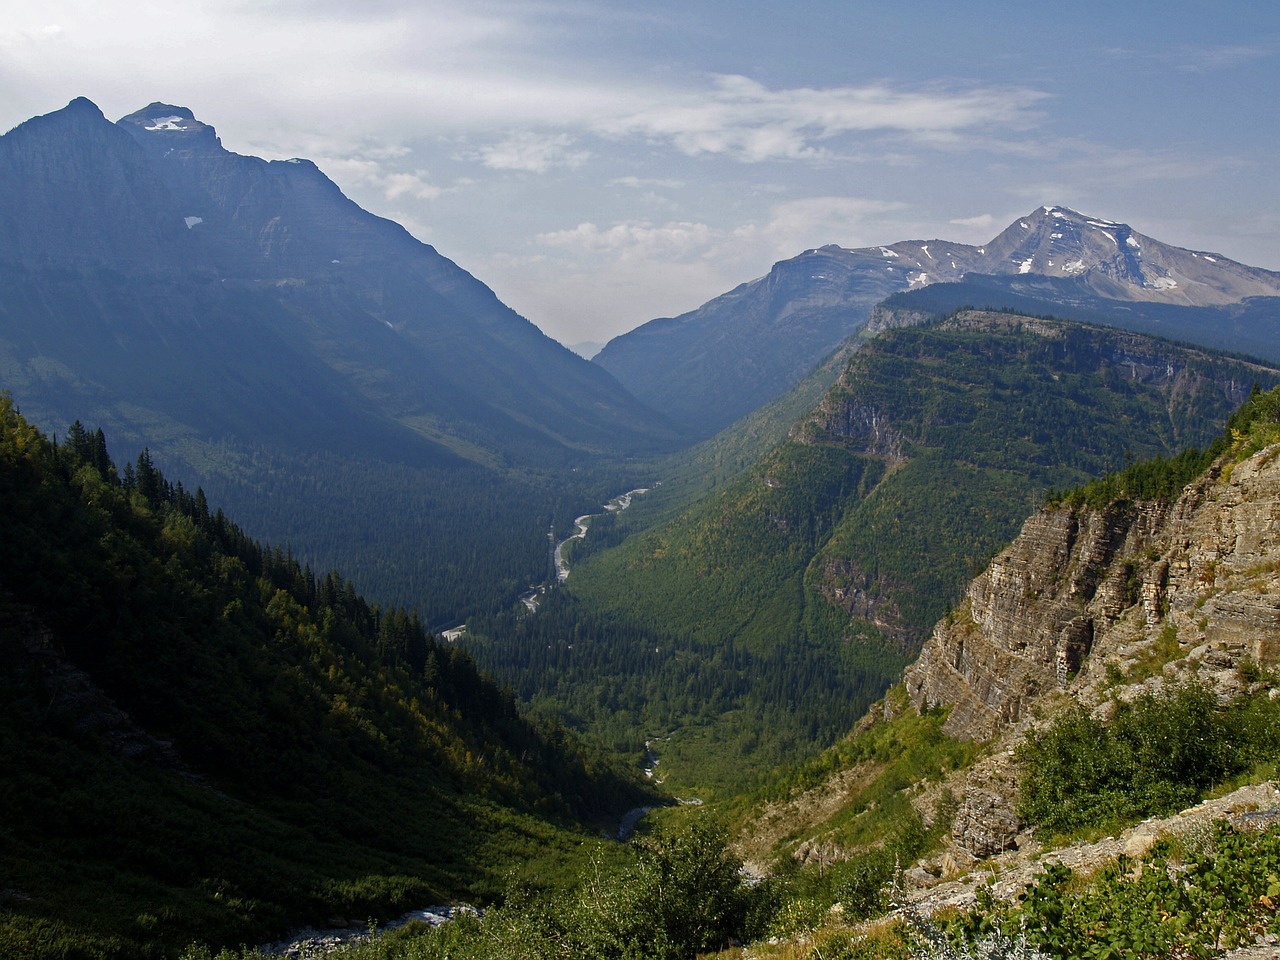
point(930, 552)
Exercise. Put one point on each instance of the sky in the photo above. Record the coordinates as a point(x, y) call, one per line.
point(602, 163)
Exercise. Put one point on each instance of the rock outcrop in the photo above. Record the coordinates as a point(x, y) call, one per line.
point(1082, 589)
point(1090, 604)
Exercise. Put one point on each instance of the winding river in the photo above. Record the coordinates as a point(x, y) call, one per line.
point(580, 526)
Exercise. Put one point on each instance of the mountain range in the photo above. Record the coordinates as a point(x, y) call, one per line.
point(179, 264)
point(261, 333)
point(711, 366)
point(215, 739)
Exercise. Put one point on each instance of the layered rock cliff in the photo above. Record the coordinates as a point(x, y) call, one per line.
point(1091, 604)
point(1083, 590)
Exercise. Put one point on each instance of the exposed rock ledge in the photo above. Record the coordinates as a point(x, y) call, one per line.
point(1143, 592)
point(1081, 589)
point(1011, 872)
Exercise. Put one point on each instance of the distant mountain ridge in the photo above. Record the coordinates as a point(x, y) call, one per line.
point(262, 333)
point(406, 335)
point(708, 367)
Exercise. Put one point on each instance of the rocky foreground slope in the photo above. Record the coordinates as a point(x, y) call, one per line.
point(1092, 603)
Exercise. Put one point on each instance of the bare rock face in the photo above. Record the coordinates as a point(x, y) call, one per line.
point(863, 596)
point(985, 824)
point(863, 427)
point(1081, 589)
point(1031, 619)
point(1083, 598)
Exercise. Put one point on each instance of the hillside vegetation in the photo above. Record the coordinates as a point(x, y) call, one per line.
point(1176, 702)
point(833, 556)
point(204, 740)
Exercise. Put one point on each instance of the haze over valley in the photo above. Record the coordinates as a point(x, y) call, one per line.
point(807, 474)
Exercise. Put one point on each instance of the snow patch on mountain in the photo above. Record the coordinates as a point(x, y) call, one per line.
point(167, 123)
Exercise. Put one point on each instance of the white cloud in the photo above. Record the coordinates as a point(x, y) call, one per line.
point(634, 240)
point(983, 220)
point(1200, 58)
point(409, 184)
point(533, 153)
point(354, 172)
point(797, 225)
point(646, 183)
point(274, 73)
point(741, 118)
point(642, 269)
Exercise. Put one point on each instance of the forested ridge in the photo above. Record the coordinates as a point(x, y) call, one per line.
point(205, 739)
point(854, 837)
point(836, 553)
point(738, 711)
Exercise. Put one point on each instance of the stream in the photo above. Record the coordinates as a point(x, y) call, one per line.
point(311, 943)
point(534, 594)
point(580, 526)
point(616, 505)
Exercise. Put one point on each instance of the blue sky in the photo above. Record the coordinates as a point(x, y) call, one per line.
point(600, 164)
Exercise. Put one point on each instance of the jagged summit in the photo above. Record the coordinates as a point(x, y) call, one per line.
point(712, 365)
point(163, 116)
point(1057, 241)
point(170, 127)
point(1114, 261)
point(83, 104)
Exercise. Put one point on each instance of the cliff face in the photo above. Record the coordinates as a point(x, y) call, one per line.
point(1081, 589)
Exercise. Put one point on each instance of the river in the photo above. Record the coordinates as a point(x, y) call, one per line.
point(312, 943)
point(580, 526)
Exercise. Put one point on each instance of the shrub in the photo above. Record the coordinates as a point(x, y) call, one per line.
point(1160, 751)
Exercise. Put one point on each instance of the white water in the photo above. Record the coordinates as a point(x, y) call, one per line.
point(616, 505)
point(308, 943)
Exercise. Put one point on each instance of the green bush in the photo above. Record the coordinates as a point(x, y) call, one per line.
point(1214, 899)
point(668, 896)
point(1160, 752)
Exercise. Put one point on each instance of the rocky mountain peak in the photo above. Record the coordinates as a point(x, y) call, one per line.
point(80, 119)
point(1114, 261)
point(81, 105)
point(168, 127)
point(121, 210)
point(1059, 242)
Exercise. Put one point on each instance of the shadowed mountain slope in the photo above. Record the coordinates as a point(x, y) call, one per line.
point(261, 332)
point(203, 740)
